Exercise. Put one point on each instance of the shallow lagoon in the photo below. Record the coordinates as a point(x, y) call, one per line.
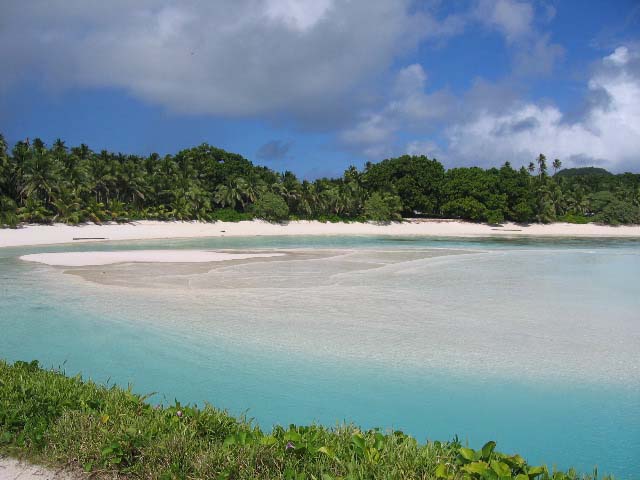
point(532, 343)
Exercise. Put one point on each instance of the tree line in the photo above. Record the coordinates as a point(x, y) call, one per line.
point(40, 184)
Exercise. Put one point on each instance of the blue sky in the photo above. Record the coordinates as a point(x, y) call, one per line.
point(316, 85)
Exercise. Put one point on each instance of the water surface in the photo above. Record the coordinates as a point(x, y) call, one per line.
point(532, 343)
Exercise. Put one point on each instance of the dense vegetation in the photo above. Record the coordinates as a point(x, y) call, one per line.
point(55, 419)
point(42, 185)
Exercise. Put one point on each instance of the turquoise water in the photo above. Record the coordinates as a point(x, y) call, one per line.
point(532, 343)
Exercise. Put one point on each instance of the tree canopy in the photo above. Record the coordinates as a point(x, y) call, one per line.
point(41, 184)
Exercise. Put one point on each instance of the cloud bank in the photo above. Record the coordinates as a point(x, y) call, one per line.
point(336, 66)
point(228, 57)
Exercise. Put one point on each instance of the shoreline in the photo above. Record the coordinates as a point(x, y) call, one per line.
point(27, 469)
point(33, 235)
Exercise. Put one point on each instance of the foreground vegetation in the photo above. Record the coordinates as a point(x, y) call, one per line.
point(55, 419)
point(43, 185)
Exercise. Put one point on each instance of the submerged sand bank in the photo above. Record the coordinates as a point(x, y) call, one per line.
point(81, 259)
point(144, 230)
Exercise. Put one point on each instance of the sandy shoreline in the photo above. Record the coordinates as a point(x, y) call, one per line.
point(14, 469)
point(147, 230)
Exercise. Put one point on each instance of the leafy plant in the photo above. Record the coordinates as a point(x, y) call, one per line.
point(65, 420)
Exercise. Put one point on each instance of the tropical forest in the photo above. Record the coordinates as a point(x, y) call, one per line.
point(46, 184)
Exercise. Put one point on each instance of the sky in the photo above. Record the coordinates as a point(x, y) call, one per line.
point(314, 86)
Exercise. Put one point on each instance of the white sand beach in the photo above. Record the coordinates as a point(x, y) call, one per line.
point(145, 230)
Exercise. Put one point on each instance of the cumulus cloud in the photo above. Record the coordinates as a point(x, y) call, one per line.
point(490, 124)
point(228, 57)
point(607, 135)
point(513, 18)
point(408, 108)
point(274, 150)
point(534, 53)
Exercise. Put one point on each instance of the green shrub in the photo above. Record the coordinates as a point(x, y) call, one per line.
point(270, 207)
point(468, 208)
point(381, 207)
point(229, 215)
point(619, 212)
point(574, 218)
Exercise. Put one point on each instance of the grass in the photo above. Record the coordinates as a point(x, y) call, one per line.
point(50, 418)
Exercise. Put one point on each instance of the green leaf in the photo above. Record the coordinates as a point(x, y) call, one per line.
point(441, 471)
point(327, 451)
point(533, 472)
point(230, 440)
point(292, 436)
point(487, 449)
point(358, 441)
point(106, 451)
point(502, 469)
point(467, 454)
point(476, 467)
point(6, 437)
point(521, 476)
point(270, 440)
point(379, 441)
point(515, 461)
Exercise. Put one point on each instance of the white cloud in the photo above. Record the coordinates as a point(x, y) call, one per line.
point(489, 125)
point(231, 57)
point(608, 134)
point(513, 18)
point(408, 108)
point(619, 57)
point(428, 148)
point(298, 14)
point(533, 51)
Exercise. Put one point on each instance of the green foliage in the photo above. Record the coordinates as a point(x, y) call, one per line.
point(466, 207)
point(582, 171)
point(270, 207)
point(109, 430)
point(575, 218)
point(229, 215)
point(417, 180)
point(39, 184)
point(619, 212)
point(383, 207)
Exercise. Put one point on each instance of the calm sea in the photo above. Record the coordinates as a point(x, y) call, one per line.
point(532, 343)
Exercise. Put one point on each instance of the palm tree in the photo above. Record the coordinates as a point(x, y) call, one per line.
point(180, 208)
point(226, 196)
point(94, 211)
point(546, 210)
point(102, 175)
point(542, 165)
point(556, 165)
point(67, 207)
point(40, 174)
point(531, 168)
point(236, 193)
point(34, 211)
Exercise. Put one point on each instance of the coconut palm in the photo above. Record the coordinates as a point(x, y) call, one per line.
point(542, 165)
point(67, 207)
point(40, 174)
point(95, 211)
point(34, 211)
